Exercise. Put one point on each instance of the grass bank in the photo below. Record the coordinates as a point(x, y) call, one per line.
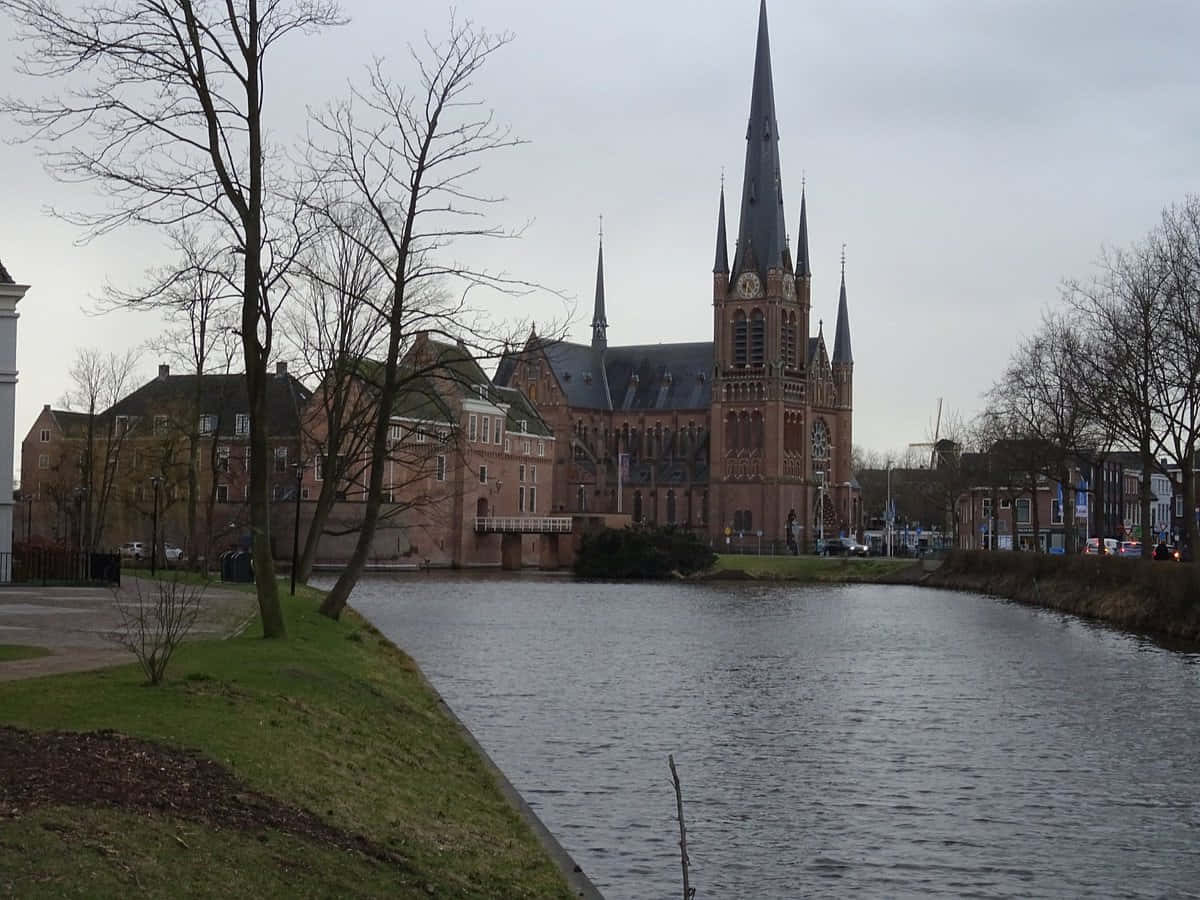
point(1159, 598)
point(334, 721)
point(21, 651)
point(809, 568)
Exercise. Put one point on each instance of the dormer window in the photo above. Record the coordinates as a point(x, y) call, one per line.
point(587, 377)
point(524, 423)
point(241, 425)
point(481, 389)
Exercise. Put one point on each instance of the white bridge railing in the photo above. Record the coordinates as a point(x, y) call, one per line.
point(523, 524)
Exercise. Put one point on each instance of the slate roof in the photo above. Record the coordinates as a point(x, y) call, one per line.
point(5, 278)
point(221, 395)
point(803, 265)
point(721, 264)
point(841, 339)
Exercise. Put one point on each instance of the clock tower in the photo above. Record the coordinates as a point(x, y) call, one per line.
point(760, 336)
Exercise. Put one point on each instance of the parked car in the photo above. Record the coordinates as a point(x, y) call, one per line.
point(844, 547)
point(1132, 549)
point(171, 553)
point(135, 550)
point(1111, 545)
point(1168, 553)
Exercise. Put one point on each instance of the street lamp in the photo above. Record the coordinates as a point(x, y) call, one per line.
point(298, 467)
point(887, 510)
point(155, 480)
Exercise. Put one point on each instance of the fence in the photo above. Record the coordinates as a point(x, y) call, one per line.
point(55, 565)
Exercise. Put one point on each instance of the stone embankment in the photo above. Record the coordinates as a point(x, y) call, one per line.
point(1158, 598)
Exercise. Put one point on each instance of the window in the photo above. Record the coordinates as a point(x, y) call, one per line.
point(525, 447)
point(222, 459)
point(208, 423)
point(440, 473)
point(1179, 505)
point(483, 474)
point(486, 435)
point(987, 507)
point(758, 338)
point(739, 339)
point(541, 448)
point(521, 473)
point(241, 425)
point(472, 425)
point(499, 424)
point(481, 390)
point(45, 435)
point(521, 498)
point(420, 435)
point(281, 459)
point(222, 493)
point(533, 499)
point(1023, 511)
point(160, 424)
point(122, 424)
point(319, 467)
point(524, 423)
point(395, 433)
point(581, 499)
point(507, 446)
point(533, 474)
point(1005, 502)
point(1056, 512)
point(44, 461)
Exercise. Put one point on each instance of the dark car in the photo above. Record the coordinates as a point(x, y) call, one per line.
point(839, 546)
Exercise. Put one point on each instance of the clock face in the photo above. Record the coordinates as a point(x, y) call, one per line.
point(747, 286)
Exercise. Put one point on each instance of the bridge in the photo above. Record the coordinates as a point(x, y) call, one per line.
point(522, 524)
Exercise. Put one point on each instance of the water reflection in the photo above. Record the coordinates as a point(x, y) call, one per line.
point(854, 741)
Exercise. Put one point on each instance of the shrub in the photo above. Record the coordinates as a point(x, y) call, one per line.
point(153, 626)
point(642, 552)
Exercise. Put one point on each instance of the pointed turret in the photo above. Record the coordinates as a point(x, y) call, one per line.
point(803, 267)
point(599, 319)
point(841, 339)
point(762, 232)
point(721, 266)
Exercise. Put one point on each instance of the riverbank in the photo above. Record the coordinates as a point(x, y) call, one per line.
point(850, 570)
point(1159, 598)
point(322, 765)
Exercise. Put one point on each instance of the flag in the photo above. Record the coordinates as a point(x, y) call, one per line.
point(1081, 500)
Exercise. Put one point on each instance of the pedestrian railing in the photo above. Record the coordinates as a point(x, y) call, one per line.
point(523, 524)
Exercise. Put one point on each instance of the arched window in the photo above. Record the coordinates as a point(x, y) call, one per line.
point(739, 338)
point(581, 499)
point(820, 446)
point(758, 338)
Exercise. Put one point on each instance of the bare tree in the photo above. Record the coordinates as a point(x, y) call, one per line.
point(153, 627)
point(99, 380)
point(162, 106)
point(410, 157)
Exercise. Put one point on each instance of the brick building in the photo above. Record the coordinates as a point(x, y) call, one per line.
point(727, 435)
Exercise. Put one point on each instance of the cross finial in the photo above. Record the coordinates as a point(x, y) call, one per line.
point(843, 261)
point(722, 178)
point(602, 228)
point(803, 180)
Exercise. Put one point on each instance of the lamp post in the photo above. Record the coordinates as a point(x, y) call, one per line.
point(154, 480)
point(887, 510)
point(28, 521)
point(298, 467)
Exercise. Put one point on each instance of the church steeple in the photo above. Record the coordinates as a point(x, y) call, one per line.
point(762, 232)
point(841, 339)
point(599, 319)
point(803, 267)
point(721, 266)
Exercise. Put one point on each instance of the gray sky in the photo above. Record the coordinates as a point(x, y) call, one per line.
point(971, 154)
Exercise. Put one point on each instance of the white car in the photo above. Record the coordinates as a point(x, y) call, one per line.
point(171, 553)
point(135, 550)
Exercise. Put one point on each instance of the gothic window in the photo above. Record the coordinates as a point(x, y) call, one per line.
point(820, 446)
point(739, 339)
point(758, 338)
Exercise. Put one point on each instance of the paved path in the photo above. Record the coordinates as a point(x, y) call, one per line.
point(77, 624)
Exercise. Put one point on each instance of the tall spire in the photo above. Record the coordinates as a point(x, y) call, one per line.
point(841, 339)
point(599, 319)
point(5, 278)
point(803, 267)
point(762, 232)
point(721, 266)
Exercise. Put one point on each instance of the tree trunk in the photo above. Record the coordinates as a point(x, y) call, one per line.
point(1146, 502)
point(316, 528)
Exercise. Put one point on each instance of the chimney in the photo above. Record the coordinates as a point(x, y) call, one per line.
point(46, 408)
point(281, 368)
point(163, 370)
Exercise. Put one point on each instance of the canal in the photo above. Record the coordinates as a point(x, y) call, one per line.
point(857, 741)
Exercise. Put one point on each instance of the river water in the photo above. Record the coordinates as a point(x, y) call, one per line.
point(857, 741)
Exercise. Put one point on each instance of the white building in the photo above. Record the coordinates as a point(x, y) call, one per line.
point(10, 294)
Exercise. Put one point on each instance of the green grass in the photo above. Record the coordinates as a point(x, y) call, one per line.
point(335, 720)
point(9, 652)
point(811, 568)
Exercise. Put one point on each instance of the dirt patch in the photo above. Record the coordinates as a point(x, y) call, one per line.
point(104, 768)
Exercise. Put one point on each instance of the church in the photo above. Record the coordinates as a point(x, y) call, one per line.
point(734, 438)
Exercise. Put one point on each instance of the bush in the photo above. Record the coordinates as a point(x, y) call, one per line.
point(153, 625)
point(642, 552)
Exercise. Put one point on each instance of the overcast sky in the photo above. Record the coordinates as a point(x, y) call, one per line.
point(970, 154)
